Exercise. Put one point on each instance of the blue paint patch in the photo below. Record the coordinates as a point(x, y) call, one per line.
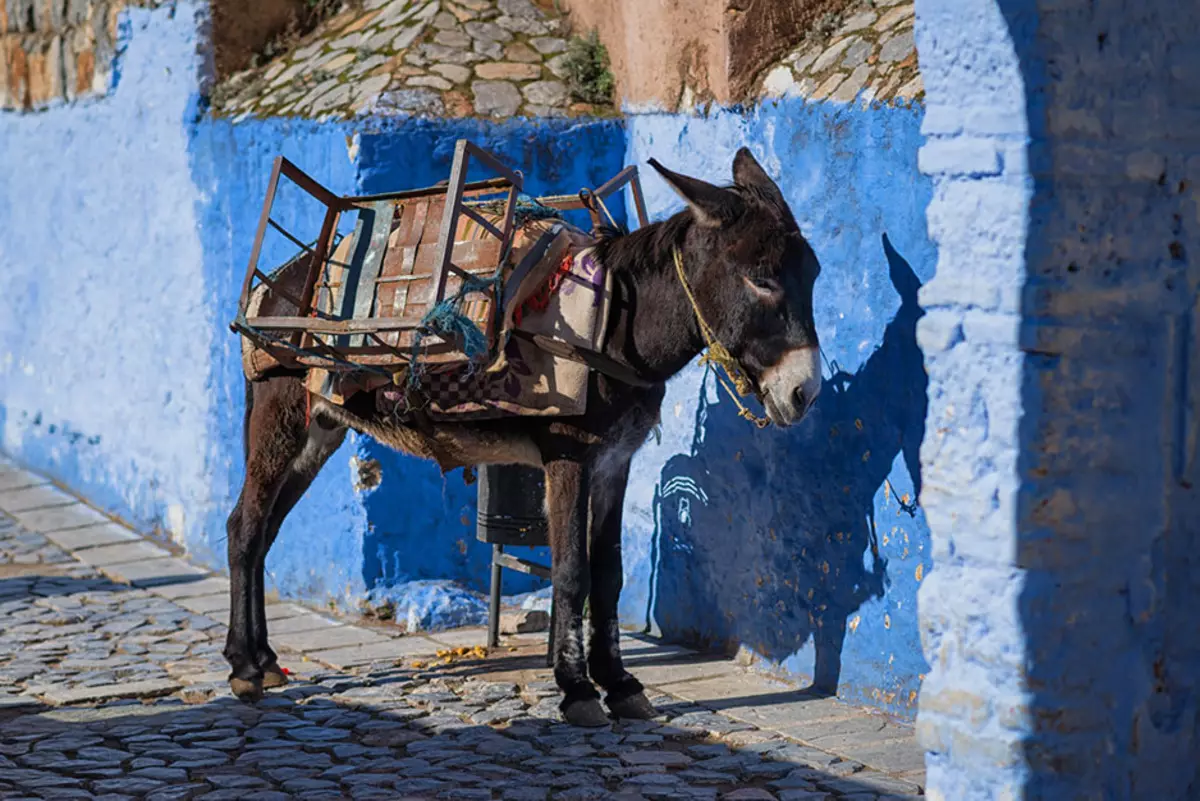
point(102, 379)
point(430, 605)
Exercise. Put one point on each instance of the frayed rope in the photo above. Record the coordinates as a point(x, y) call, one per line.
point(447, 320)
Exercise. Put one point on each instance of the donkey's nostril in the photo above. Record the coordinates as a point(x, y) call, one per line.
point(799, 399)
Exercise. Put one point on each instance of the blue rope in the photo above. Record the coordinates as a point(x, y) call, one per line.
point(446, 319)
point(528, 208)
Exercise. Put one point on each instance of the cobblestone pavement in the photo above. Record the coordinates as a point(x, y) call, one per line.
point(112, 686)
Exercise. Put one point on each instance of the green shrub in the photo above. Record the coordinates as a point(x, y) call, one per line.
point(588, 75)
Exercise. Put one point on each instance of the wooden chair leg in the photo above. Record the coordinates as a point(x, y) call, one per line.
point(494, 601)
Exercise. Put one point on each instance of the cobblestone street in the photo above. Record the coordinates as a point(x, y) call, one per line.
point(112, 685)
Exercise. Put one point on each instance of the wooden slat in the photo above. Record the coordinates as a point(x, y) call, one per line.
point(316, 325)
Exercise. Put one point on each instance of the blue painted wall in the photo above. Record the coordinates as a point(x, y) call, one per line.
point(803, 546)
point(1064, 362)
point(105, 333)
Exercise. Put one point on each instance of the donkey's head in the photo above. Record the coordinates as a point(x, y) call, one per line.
point(752, 274)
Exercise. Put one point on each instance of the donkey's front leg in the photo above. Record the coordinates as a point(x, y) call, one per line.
point(566, 511)
point(625, 696)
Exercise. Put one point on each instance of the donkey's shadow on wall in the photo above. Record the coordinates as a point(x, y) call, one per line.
point(768, 538)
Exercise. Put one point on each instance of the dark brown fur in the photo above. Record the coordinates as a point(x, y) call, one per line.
point(732, 241)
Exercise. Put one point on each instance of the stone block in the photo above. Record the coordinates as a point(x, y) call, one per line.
point(153, 572)
point(465, 637)
point(894, 757)
point(151, 688)
point(306, 621)
point(206, 604)
point(12, 477)
point(283, 611)
point(524, 621)
point(22, 16)
point(18, 74)
point(356, 655)
point(959, 156)
point(496, 98)
point(664, 671)
point(327, 638)
point(508, 71)
point(30, 498)
point(209, 585)
point(59, 518)
point(121, 553)
point(94, 536)
point(45, 73)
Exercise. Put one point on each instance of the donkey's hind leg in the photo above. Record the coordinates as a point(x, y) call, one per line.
point(276, 433)
point(324, 438)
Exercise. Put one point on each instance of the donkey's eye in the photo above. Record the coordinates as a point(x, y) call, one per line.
point(766, 287)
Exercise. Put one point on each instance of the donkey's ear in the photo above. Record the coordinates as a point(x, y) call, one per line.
point(711, 205)
point(749, 173)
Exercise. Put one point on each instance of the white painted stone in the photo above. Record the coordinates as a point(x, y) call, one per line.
point(911, 89)
point(779, 81)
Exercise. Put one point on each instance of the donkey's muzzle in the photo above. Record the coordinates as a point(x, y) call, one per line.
point(792, 385)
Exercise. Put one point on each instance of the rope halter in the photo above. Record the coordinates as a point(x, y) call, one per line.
point(717, 354)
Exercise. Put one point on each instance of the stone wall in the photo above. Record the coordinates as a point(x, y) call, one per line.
point(55, 50)
point(1061, 344)
point(869, 56)
point(438, 58)
point(677, 54)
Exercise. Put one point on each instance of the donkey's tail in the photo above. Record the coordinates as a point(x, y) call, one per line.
point(246, 420)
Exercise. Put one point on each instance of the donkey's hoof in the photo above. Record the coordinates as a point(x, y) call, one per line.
point(585, 712)
point(632, 707)
point(274, 677)
point(247, 690)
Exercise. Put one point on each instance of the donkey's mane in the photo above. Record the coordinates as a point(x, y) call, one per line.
point(644, 249)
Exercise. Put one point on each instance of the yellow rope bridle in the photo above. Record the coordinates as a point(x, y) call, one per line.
point(717, 354)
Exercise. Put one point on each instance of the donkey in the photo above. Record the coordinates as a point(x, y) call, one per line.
point(732, 267)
